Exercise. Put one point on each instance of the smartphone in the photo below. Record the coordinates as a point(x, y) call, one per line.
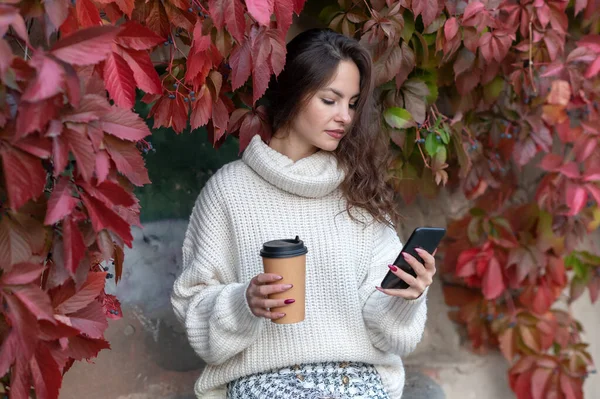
point(427, 238)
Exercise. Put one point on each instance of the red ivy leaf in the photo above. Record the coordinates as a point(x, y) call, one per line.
point(261, 10)
point(493, 281)
point(33, 117)
point(112, 194)
point(24, 176)
point(135, 36)
point(124, 124)
point(81, 347)
point(593, 69)
point(144, 73)
point(74, 247)
point(298, 6)
point(284, 10)
point(102, 165)
point(45, 373)
point(48, 81)
point(90, 320)
point(220, 117)
point(10, 16)
point(35, 300)
point(87, 46)
point(202, 108)
point(119, 81)
point(495, 45)
point(575, 197)
point(128, 160)
point(22, 273)
point(119, 259)
point(60, 154)
point(170, 113)
point(14, 244)
point(157, 20)
point(180, 18)
point(105, 218)
point(241, 64)
point(254, 123)
point(81, 146)
point(61, 202)
point(20, 343)
point(87, 13)
point(69, 300)
point(428, 9)
point(230, 13)
point(268, 56)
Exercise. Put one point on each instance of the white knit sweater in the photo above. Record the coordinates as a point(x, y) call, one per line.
point(266, 196)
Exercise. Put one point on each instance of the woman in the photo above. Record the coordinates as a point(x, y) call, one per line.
point(321, 177)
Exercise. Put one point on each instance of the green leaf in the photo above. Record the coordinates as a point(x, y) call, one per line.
point(409, 28)
point(474, 230)
point(440, 156)
point(444, 135)
point(409, 143)
point(570, 260)
point(431, 144)
point(398, 118)
point(500, 221)
point(327, 13)
point(492, 90)
point(581, 271)
point(590, 258)
point(477, 212)
point(436, 24)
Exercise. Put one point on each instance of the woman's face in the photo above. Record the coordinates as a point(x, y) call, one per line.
point(327, 116)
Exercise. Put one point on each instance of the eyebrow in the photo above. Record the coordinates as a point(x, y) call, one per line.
point(339, 94)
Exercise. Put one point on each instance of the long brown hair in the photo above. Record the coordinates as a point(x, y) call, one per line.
point(311, 62)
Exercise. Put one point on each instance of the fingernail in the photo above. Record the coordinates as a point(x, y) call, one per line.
point(378, 288)
point(281, 315)
point(288, 286)
point(393, 268)
point(419, 249)
point(288, 301)
point(278, 277)
point(405, 255)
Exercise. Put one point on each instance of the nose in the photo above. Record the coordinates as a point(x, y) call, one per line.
point(344, 115)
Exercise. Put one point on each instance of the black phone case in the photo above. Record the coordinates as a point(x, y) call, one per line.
point(427, 238)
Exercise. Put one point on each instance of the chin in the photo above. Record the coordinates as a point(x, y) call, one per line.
point(329, 145)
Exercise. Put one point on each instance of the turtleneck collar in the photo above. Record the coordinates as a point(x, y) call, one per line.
point(314, 176)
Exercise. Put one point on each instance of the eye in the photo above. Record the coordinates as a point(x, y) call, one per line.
point(353, 106)
point(327, 102)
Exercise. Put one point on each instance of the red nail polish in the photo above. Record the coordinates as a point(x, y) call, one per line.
point(288, 301)
point(393, 268)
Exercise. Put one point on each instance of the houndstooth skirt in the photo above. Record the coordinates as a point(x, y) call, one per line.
point(329, 380)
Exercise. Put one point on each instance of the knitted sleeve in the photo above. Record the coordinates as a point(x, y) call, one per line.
point(394, 324)
point(206, 297)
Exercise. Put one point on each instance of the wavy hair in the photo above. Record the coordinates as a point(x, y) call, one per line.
point(363, 154)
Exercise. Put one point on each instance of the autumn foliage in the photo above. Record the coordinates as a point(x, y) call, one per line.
point(476, 96)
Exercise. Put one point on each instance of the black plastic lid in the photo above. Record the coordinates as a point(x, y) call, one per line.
point(283, 248)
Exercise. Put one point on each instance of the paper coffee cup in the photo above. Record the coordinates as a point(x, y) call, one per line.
point(287, 258)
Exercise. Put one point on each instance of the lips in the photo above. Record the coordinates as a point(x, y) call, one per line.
point(336, 134)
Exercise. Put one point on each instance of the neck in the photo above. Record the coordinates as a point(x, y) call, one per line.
point(291, 145)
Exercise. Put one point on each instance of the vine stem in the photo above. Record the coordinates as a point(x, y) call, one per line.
point(368, 8)
point(531, 53)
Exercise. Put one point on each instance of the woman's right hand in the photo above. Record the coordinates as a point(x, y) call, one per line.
point(256, 295)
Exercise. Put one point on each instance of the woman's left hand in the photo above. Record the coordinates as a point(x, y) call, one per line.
point(417, 285)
